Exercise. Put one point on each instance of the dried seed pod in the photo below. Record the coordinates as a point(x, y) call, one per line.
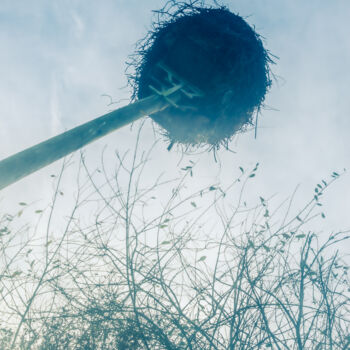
point(219, 53)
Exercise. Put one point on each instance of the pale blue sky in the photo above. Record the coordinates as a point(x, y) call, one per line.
point(58, 57)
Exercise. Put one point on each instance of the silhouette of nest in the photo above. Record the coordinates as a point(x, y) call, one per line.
point(216, 51)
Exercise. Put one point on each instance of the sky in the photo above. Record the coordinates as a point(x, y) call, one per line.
point(58, 58)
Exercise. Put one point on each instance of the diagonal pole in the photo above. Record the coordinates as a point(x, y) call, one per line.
point(34, 158)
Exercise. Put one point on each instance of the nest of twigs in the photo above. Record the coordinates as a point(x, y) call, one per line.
point(219, 53)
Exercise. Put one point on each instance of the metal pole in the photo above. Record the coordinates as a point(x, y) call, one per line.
point(34, 158)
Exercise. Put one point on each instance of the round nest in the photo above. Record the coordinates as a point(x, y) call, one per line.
point(216, 51)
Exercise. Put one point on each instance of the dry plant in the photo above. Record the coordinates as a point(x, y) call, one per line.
point(144, 265)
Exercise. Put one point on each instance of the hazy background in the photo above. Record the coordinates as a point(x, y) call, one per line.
point(58, 57)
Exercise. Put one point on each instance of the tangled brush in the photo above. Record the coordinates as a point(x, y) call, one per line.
point(219, 53)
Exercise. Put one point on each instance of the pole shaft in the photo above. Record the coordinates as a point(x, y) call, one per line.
point(34, 158)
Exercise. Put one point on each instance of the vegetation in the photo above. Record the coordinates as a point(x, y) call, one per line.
point(186, 270)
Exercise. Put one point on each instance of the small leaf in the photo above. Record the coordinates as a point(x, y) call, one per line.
point(285, 235)
point(302, 235)
point(241, 169)
point(202, 258)
point(163, 226)
point(194, 204)
point(298, 218)
point(16, 273)
point(323, 216)
point(266, 248)
point(38, 211)
point(166, 242)
point(251, 175)
point(212, 188)
point(22, 203)
point(20, 213)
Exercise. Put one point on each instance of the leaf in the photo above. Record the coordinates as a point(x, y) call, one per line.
point(194, 204)
point(163, 226)
point(202, 258)
point(38, 211)
point(335, 174)
point(212, 188)
point(22, 203)
point(302, 235)
point(241, 169)
point(166, 242)
point(20, 213)
point(298, 218)
point(266, 248)
point(323, 216)
point(4, 230)
point(16, 273)
point(285, 235)
point(251, 175)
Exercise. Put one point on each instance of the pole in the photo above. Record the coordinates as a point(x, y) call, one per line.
point(34, 158)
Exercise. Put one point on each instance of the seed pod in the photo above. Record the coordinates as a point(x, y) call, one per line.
point(219, 53)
